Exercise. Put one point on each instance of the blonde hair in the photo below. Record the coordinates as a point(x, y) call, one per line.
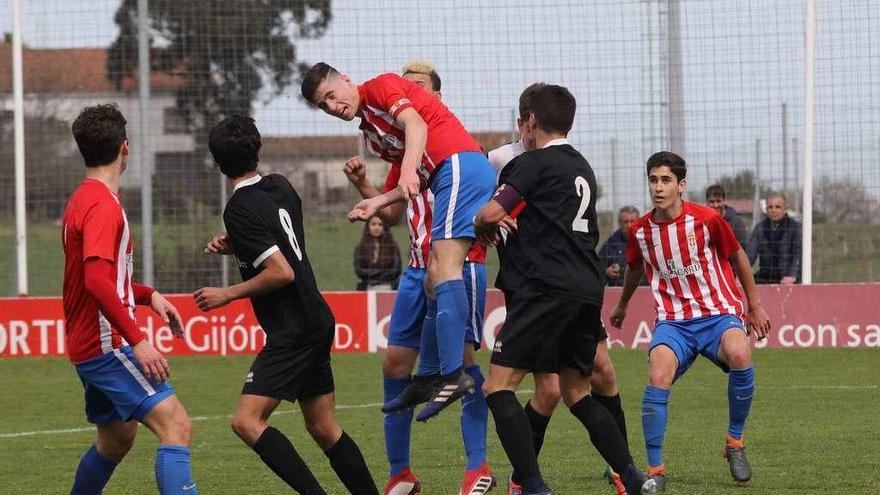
point(419, 66)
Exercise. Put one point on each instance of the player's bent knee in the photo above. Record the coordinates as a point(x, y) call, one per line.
point(248, 429)
point(399, 362)
point(325, 431)
point(114, 443)
point(739, 357)
point(545, 400)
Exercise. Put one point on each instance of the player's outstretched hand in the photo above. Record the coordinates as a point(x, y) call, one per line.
point(409, 183)
point(759, 322)
point(364, 210)
point(617, 316)
point(355, 170)
point(209, 298)
point(219, 244)
point(163, 307)
point(154, 365)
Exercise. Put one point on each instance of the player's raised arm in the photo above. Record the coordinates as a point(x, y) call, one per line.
point(496, 213)
point(416, 131)
point(276, 273)
point(355, 170)
point(758, 321)
point(365, 210)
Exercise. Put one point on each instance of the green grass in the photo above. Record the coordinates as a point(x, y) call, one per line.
point(812, 429)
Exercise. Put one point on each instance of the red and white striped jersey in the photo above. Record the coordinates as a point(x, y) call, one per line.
point(686, 262)
point(382, 100)
point(419, 211)
point(94, 225)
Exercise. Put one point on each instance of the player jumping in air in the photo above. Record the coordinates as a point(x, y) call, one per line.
point(412, 332)
point(686, 251)
point(405, 124)
point(124, 376)
point(553, 289)
point(264, 222)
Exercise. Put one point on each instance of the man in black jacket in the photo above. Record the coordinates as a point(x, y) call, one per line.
point(715, 198)
point(776, 241)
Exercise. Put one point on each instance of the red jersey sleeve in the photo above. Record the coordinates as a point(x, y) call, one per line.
point(633, 251)
point(722, 237)
point(102, 227)
point(392, 179)
point(388, 92)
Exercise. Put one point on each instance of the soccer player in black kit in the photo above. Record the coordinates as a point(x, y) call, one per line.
point(264, 222)
point(553, 289)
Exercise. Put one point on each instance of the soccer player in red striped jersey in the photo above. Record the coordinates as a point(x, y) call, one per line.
point(123, 375)
point(404, 123)
point(689, 254)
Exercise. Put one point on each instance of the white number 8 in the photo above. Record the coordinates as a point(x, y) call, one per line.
point(287, 225)
point(581, 224)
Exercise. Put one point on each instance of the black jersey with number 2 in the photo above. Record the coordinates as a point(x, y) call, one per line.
point(554, 248)
point(264, 216)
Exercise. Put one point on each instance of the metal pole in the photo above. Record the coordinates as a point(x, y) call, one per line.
point(675, 90)
point(756, 202)
point(145, 149)
point(809, 54)
point(612, 191)
point(21, 261)
point(785, 147)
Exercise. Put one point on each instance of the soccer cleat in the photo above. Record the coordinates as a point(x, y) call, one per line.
point(419, 390)
point(735, 453)
point(477, 481)
point(658, 474)
point(403, 483)
point(614, 479)
point(448, 391)
point(639, 483)
point(513, 488)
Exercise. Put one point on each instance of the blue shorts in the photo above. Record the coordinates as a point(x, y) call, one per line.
point(699, 336)
point(116, 388)
point(462, 184)
point(411, 304)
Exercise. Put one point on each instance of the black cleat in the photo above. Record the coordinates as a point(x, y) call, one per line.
point(419, 390)
point(638, 483)
point(739, 465)
point(448, 391)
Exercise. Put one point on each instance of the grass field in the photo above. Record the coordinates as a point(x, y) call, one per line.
point(813, 429)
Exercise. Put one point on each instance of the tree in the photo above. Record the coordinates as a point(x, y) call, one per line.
point(844, 201)
point(740, 186)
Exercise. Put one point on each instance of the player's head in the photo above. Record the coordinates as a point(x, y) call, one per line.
point(525, 108)
point(332, 92)
point(625, 217)
point(423, 73)
point(666, 178)
point(99, 132)
point(715, 197)
point(235, 145)
point(777, 206)
point(552, 110)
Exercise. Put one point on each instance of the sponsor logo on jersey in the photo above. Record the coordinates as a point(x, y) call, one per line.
point(676, 271)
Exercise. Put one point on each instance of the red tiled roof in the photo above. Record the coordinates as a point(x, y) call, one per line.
point(71, 70)
point(344, 146)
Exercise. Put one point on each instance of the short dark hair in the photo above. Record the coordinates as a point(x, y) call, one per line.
point(235, 145)
point(671, 160)
point(314, 77)
point(99, 132)
point(715, 191)
point(525, 99)
point(554, 108)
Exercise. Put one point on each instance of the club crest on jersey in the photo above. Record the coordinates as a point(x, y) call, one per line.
point(391, 141)
point(692, 240)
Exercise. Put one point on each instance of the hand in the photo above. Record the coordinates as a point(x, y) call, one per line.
point(168, 312)
point(788, 280)
point(409, 183)
point(508, 223)
point(219, 244)
point(758, 321)
point(613, 271)
point(489, 237)
point(355, 170)
point(154, 365)
point(209, 298)
point(618, 315)
point(364, 210)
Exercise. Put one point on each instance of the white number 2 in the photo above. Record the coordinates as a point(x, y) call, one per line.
point(287, 225)
point(581, 224)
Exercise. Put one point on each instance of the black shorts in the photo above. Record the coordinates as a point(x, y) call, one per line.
point(543, 333)
point(291, 371)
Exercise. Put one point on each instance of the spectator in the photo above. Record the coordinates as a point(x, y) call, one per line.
point(612, 256)
point(776, 242)
point(715, 198)
point(377, 258)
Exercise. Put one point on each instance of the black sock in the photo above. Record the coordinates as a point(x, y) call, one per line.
point(348, 462)
point(512, 426)
point(538, 423)
point(278, 453)
point(604, 433)
point(616, 409)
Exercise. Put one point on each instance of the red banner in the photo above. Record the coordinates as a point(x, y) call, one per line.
point(845, 315)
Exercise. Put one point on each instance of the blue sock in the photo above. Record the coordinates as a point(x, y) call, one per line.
point(452, 315)
point(740, 388)
point(429, 355)
point(173, 473)
point(474, 420)
point(397, 427)
point(93, 473)
point(654, 422)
